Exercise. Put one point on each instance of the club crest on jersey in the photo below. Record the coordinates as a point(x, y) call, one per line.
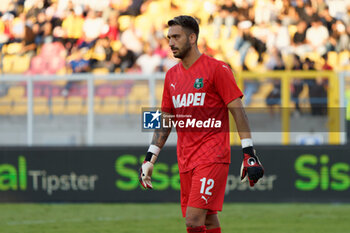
point(198, 84)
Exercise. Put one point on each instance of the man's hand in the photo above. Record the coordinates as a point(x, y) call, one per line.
point(251, 166)
point(146, 171)
point(145, 175)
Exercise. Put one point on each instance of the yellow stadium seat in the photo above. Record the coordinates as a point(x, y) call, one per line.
point(292, 29)
point(57, 105)
point(344, 57)
point(124, 22)
point(234, 61)
point(113, 105)
point(97, 104)
point(14, 48)
point(116, 45)
point(60, 83)
point(74, 105)
point(251, 60)
point(8, 63)
point(288, 60)
point(40, 106)
point(101, 70)
point(140, 90)
point(258, 99)
point(21, 64)
point(16, 92)
point(19, 107)
point(98, 82)
point(144, 24)
point(98, 56)
point(333, 58)
point(5, 105)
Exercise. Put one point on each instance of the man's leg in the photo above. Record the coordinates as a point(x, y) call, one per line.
point(212, 223)
point(195, 219)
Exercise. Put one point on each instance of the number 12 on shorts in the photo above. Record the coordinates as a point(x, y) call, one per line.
point(206, 185)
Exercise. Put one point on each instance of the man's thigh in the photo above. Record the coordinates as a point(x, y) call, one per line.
point(204, 187)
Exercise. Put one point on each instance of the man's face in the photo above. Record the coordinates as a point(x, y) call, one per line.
point(179, 41)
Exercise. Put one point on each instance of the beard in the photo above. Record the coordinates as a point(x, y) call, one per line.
point(182, 52)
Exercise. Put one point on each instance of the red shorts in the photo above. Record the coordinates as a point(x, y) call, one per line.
point(204, 187)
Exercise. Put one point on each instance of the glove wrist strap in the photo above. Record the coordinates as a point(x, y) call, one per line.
point(150, 157)
point(249, 150)
point(154, 150)
point(246, 142)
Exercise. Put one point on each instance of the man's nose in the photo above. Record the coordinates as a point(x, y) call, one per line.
point(171, 42)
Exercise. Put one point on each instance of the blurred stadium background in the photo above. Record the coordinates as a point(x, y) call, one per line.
point(76, 74)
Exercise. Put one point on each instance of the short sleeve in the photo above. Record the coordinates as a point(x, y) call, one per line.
point(167, 105)
point(225, 84)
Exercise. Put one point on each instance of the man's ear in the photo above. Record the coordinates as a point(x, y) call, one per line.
point(193, 38)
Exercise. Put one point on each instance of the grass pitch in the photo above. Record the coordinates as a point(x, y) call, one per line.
point(154, 218)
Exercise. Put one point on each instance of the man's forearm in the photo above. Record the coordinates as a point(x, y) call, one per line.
point(241, 119)
point(160, 136)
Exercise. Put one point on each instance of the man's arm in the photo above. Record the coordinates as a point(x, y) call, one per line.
point(237, 110)
point(159, 138)
point(251, 166)
point(161, 135)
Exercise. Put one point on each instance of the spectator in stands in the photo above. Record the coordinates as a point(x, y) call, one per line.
point(113, 27)
point(317, 36)
point(168, 62)
point(149, 62)
point(341, 36)
point(92, 29)
point(259, 38)
point(243, 39)
point(279, 38)
point(306, 12)
point(327, 20)
point(299, 39)
point(265, 11)
point(205, 48)
point(78, 64)
point(123, 59)
point(131, 38)
point(162, 48)
point(346, 17)
point(227, 14)
point(28, 43)
point(317, 90)
point(73, 26)
point(39, 27)
point(289, 15)
point(136, 7)
point(298, 85)
point(251, 86)
point(275, 63)
point(18, 29)
point(102, 54)
point(6, 26)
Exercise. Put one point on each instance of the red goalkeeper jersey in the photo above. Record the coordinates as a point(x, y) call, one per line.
point(198, 98)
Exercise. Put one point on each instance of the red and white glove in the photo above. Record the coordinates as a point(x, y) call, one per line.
point(251, 167)
point(146, 171)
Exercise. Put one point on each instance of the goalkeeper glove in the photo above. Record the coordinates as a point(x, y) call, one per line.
point(251, 166)
point(146, 170)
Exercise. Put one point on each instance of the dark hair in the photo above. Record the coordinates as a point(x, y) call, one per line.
point(187, 22)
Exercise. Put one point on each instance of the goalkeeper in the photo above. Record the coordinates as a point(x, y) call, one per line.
point(201, 86)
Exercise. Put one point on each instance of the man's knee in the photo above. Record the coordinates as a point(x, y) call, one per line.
point(212, 221)
point(195, 217)
point(194, 221)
